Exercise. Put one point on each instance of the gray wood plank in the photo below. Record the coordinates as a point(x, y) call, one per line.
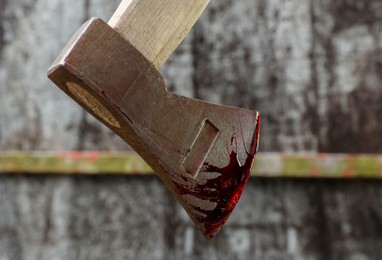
point(348, 70)
point(312, 68)
point(34, 114)
point(256, 54)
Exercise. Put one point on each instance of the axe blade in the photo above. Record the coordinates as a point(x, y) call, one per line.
point(203, 152)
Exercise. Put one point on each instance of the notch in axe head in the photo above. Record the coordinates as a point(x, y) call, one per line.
point(203, 152)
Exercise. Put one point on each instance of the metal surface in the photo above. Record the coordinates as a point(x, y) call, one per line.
point(203, 152)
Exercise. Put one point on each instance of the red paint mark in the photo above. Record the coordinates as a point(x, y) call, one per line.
point(321, 156)
point(224, 190)
point(71, 155)
point(14, 167)
point(349, 171)
point(315, 171)
point(79, 155)
point(93, 156)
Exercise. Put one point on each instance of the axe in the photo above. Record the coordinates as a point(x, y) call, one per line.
point(202, 152)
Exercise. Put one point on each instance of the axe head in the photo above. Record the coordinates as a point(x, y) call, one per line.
point(203, 152)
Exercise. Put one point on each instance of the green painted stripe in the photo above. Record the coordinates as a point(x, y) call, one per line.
point(318, 165)
point(266, 164)
point(72, 163)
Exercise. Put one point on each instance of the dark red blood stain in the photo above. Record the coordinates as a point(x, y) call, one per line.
point(224, 190)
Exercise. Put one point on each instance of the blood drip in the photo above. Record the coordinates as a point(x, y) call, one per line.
point(224, 190)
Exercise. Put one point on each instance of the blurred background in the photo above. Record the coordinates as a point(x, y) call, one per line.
point(312, 68)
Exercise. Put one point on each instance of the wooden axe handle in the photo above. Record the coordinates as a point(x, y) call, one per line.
point(156, 27)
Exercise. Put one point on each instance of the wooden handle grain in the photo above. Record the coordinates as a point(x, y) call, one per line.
point(156, 27)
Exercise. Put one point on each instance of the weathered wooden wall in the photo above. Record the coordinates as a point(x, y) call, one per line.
point(312, 68)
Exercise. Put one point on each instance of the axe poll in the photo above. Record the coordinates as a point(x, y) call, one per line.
point(203, 152)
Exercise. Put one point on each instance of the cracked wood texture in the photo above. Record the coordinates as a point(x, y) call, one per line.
point(312, 68)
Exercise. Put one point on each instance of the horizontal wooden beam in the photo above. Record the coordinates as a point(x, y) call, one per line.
point(129, 163)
